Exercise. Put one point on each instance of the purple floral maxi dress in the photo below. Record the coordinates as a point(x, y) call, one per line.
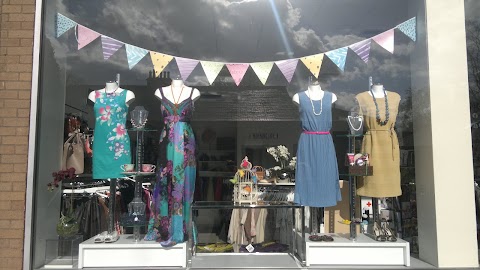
point(173, 192)
point(111, 146)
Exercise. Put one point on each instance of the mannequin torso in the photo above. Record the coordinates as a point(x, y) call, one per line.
point(378, 91)
point(177, 92)
point(112, 87)
point(314, 92)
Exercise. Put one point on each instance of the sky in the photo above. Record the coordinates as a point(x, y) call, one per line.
point(237, 31)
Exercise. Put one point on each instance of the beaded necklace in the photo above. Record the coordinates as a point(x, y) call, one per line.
point(387, 112)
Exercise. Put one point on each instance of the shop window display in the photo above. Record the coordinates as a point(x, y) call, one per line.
point(214, 98)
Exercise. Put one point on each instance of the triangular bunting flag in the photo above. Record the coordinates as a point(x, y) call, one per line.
point(134, 55)
point(338, 56)
point(211, 69)
point(409, 28)
point(386, 40)
point(362, 49)
point(86, 36)
point(313, 63)
point(287, 67)
point(160, 61)
point(237, 71)
point(64, 24)
point(110, 46)
point(186, 66)
point(262, 69)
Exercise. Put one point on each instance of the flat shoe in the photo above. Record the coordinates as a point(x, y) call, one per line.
point(327, 238)
point(315, 238)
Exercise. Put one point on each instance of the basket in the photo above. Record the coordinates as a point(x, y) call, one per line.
point(259, 171)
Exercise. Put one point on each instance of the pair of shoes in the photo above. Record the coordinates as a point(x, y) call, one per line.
point(389, 233)
point(100, 238)
point(111, 237)
point(319, 238)
point(378, 233)
point(168, 243)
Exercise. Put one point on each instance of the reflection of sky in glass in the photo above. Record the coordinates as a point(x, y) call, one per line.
point(238, 31)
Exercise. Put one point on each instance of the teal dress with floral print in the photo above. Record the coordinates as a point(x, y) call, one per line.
point(111, 144)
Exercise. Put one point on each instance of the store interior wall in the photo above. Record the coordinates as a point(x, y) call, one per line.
point(49, 140)
point(447, 224)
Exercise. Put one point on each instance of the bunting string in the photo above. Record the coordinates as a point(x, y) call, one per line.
point(313, 63)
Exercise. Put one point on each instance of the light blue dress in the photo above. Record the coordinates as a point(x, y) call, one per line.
point(111, 144)
point(316, 176)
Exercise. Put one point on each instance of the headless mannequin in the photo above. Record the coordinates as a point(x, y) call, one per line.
point(111, 87)
point(377, 90)
point(111, 234)
point(314, 92)
point(175, 94)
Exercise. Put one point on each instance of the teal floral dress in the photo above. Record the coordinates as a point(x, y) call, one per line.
point(111, 144)
point(173, 192)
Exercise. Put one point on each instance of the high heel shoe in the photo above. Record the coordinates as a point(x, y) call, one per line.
point(389, 234)
point(100, 238)
point(378, 233)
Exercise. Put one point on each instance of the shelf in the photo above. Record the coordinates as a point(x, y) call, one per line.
point(277, 184)
point(230, 205)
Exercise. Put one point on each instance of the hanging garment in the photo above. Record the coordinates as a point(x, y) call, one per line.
point(381, 144)
point(247, 226)
point(111, 147)
point(173, 192)
point(316, 176)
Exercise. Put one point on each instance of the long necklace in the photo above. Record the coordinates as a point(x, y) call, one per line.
point(175, 102)
point(313, 107)
point(387, 112)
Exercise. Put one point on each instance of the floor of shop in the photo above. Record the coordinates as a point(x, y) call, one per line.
point(279, 261)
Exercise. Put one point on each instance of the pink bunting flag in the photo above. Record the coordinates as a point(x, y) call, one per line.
point(237, 71)
point(86, 36)
point(186, 66)
point(386, 40)
point(287, 67)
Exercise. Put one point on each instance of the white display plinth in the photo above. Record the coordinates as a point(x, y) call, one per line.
point(128, 253)
point(363, 251)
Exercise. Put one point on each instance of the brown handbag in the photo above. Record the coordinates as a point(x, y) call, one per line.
point(73, 153)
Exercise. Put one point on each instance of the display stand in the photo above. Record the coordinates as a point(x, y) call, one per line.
point(62, 252)
point(230, 259)
point(353, 249)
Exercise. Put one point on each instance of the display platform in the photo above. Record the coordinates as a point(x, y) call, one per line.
point(245, 261)
point(128, 253)
point(363, 251)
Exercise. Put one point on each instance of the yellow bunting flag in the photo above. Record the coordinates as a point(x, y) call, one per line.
point(160, 61)
point(313, 63)
point(211, 69)
point(262, 69)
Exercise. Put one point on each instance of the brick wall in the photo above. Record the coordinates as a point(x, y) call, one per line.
point(16, 46)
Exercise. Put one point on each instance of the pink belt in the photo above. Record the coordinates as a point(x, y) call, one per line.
point(317, 132)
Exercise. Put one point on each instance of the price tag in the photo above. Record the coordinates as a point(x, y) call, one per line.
point(250, 248)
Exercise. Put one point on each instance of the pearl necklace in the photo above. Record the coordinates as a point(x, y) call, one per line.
point(313, 107)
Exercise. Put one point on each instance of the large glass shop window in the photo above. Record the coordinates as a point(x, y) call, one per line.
point(282, 83)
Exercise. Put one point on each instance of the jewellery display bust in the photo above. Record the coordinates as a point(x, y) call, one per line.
point(177, 92)
point(112, 87)
point(378, 90)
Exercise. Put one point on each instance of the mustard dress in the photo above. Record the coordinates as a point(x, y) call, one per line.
point(381, 143)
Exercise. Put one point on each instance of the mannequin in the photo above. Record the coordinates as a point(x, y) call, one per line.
point(379, 108)
point(315, 92)
point(377, 90)
point(112, 143)
point(112, 87)
point(176, 165)
point(175, 94)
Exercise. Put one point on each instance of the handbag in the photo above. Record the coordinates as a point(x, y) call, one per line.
point(73, 153)
point(355, 124)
